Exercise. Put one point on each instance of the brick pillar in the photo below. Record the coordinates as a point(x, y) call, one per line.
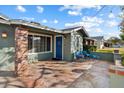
point(21, 45)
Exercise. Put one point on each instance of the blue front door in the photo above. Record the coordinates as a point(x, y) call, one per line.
point(59, 47)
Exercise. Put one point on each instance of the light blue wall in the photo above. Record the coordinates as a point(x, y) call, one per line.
point(105, 56)
point(7, 48)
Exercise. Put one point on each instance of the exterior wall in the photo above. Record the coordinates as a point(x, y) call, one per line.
point(68, 56)
point(7, 48)
point(34, 57)
point(100, 44)
point(74, 40)
point(105, 56)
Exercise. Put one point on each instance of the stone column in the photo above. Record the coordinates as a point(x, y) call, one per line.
point(21, 49)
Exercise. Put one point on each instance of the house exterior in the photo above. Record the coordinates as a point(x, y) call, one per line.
point(101, 42)
point(89, 44)
point(22, 42)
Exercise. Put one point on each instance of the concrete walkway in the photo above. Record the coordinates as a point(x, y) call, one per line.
point(8, 80)
point(96, 77)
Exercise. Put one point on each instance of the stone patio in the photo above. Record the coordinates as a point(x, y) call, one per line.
point(56, 74)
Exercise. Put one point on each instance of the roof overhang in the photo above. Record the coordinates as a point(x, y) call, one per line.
point(81, 29)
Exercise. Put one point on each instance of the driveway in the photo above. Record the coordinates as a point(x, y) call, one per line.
point(96, 77)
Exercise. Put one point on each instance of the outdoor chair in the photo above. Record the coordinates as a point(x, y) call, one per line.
point(79, 54)
point(88, 54)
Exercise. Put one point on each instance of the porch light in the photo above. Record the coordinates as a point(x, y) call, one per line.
point(4, 34)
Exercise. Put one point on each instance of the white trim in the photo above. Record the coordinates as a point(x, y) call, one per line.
point(62, 46)
point(38, 34)
point(40, 52)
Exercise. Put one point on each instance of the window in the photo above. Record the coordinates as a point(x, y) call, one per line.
point(38, 43)
point(30, 43)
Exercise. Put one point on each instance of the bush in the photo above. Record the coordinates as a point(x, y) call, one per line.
point(122, 56)
point(90, 48)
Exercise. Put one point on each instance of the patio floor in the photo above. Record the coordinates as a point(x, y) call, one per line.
point(47, 74)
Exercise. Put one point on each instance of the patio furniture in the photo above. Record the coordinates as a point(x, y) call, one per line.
point(79, 54)
point(88, 54)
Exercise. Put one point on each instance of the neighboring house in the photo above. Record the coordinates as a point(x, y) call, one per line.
point(101, 42)
point(89, 41)
point(22, 41)
point(89, 44)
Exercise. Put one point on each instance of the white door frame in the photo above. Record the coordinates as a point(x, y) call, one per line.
point(62, 45)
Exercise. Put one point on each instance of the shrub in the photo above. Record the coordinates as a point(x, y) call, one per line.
point(90, 48)
point(122, 56)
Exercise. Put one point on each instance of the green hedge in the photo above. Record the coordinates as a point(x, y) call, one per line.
point(90, 48)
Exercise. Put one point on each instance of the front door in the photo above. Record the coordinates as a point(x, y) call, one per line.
point(59, 47)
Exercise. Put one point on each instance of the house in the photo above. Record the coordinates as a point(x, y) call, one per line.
point(89, 44)
point(23, 41)
point(101, 42)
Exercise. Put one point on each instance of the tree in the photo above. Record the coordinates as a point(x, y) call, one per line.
point(122, 24)
point(114, 40)
point(122, 36)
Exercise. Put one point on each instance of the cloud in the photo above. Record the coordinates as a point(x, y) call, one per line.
point(27, 18)
point(55, 21)
point(77, 9)
point(74, 13)
point(91, 24)
point(44, 21)
point(92, 19)
point(20, 8)
point(99, 30)
point(111, 15)
point(112, 34)
point(40, 9)
point(112, 23)
point(87, 22)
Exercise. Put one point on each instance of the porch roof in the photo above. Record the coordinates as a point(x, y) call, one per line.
point(78, 28)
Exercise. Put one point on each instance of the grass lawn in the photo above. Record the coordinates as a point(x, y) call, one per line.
point(111, 50)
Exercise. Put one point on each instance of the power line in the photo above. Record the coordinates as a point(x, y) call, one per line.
point(99, 11)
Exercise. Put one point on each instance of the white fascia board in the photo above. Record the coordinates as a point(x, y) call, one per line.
point(4, 22)
point(35, 26)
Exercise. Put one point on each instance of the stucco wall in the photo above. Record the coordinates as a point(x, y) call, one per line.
point(34, 57)
point(67, 48)
point(7, 48)
point(105, 56)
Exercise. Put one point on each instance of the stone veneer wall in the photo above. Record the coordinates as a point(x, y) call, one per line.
point(21, 45)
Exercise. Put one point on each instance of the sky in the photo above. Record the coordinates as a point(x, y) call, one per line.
point(98, 20)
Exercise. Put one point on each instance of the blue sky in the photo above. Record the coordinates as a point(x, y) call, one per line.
point(96, 23)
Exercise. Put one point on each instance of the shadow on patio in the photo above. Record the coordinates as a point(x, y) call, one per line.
point(9, 80)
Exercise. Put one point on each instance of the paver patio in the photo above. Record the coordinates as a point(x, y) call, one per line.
point(58, 74)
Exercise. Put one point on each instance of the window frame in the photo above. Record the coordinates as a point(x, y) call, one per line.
point(44, 35)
